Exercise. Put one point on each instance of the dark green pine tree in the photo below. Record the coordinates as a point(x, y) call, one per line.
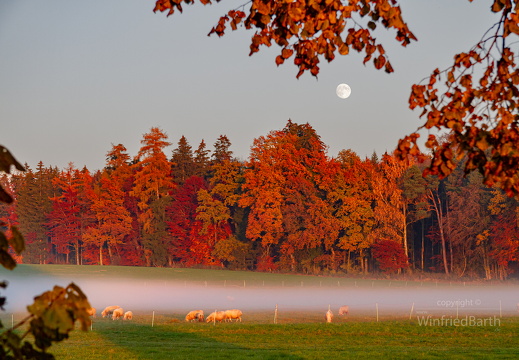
point(34, 191)
point(222, 149)
point(183, 165)
point(202, 161)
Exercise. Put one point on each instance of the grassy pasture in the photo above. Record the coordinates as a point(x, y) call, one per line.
point(396, 339)
point(298, 334)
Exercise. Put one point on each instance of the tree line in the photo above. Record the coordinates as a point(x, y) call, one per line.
point(289, 207)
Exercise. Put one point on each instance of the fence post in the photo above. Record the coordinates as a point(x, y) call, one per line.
point(376, 304)
point(500, 310)
point(411, 313)
point(153, 319)
point(276, 315)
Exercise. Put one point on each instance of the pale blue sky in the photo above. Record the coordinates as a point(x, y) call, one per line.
point(78, 76)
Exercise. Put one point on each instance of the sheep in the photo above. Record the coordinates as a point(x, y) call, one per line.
point(344, 310)
point(195, 315)
point(128, 315)
point(109, 310)
point(200, 316)
point(92, 312)
point(117, 314)
point(329, 316)
point(216, 316)
point(233, 314)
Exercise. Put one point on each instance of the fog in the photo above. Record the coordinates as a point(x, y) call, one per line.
point(177, 297)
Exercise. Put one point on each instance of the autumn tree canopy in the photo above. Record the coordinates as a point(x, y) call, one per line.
point(474, 101)
point(289, 207)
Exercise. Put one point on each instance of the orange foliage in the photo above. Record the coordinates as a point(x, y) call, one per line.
point(311, 30)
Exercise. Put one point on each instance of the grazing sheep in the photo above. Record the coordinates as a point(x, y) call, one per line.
point(233, 314)
point(117, 314)
point(344, 310)
point(200, 316)
point(109, 310)
point(195, 315)
point(128, 315)
point(92, 312)
point(216, 316)
point(329, 316)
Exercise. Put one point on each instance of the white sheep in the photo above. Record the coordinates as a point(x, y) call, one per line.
point(128, 315)
point(344, 310)
point(216, 316)
point(233, 314)
point(109, 310)
point(117, 314)
point(195, 315)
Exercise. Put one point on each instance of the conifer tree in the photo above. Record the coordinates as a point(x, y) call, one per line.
point(152, 187)
point(182, 161)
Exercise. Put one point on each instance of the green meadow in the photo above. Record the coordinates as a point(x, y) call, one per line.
point(393, 339)
point(296, 334)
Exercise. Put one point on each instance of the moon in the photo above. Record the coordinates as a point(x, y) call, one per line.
point(343, 91)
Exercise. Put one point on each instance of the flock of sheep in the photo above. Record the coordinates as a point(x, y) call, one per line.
point(116, 312)
point(227, 315)
point(343, 310)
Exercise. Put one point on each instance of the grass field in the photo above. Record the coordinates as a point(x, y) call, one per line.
point(299, 340)
point(297, 334)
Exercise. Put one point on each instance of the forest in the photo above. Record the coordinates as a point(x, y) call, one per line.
point(290, 207)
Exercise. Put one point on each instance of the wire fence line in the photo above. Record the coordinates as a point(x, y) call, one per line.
point(349, 283)
point(283, 313)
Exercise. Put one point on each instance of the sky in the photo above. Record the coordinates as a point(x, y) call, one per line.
point(77, 77)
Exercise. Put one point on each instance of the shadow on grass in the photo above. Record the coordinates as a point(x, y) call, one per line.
point(186, 342)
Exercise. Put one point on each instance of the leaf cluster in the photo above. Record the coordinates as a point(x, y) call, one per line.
point(314, 29)
point(52, 317)
point(475, 100)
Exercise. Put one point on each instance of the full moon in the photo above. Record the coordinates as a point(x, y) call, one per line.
point(343, 91)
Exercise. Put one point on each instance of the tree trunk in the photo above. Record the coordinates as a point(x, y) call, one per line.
point(405, 233)
point(77, 253)
point(439, 216)
point(110, 254)
point(423, 249)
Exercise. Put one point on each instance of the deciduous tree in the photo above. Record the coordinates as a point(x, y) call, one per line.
point(390, 256)
point(351, 197)
point(64, 219)
point(113, 219)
